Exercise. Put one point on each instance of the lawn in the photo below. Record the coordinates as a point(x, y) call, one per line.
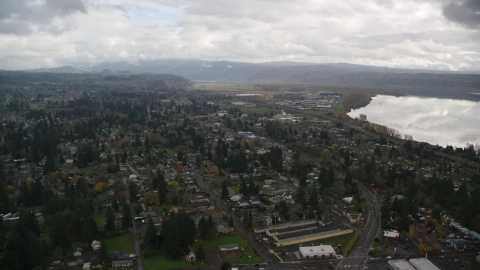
point(119, 242)
point(171, 152)
point(161, 261)
point(338, 106)
point(343, 240)
point(315, 112)
point(259, 110)
point(235, 189)
point(88, 170)
point(100, 220)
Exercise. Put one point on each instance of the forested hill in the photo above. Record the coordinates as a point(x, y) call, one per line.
point(411, 82)
point(92, 81)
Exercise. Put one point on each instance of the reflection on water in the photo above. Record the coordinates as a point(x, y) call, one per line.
point(432, 120)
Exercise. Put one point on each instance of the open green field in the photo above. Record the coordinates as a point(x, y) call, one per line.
point(338, 106)
point(342, 240)
point(119, 242)
point(161, 261)
point(259, 110)
point(88, 170)
point(100, 221)
point(315, 112)
point(171, 152)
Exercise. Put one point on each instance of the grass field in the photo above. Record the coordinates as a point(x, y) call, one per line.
point(343, 240)
point(119, 242)
point(100, 220)
point(160, 261)
point(259, 110)
point(88, 170)
point(315, 112)
point(338, 106)
point(171, 152)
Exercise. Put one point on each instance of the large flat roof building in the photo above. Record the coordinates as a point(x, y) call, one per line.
point(423, 264)
point(314, 252)
point(400, 265)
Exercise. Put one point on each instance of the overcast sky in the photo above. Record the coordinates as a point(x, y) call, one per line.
point(396, 33)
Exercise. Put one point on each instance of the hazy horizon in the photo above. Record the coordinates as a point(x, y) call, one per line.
point(431, 34)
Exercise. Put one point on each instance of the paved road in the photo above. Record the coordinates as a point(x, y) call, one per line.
point(241, 227)
point(358, 254)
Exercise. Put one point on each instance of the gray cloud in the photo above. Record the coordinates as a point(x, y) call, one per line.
point(396, 33)
point(466, 13)
point(23, 17)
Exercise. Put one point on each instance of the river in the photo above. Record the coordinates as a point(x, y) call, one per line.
point(436, 121)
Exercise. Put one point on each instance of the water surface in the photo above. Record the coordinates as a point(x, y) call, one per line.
point(436, 121)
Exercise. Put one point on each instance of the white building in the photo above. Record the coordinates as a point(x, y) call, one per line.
point(423, 264)
point(317, 252)
point(391, 233)
point(400, 265)
point(347, 200)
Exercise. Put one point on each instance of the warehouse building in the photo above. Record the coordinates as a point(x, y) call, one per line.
point(399, 265)
point(317, 252)
point(423, 264)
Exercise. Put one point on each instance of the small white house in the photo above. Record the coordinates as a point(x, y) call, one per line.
point(236, 197)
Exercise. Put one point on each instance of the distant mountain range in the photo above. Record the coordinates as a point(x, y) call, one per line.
point(434, 83)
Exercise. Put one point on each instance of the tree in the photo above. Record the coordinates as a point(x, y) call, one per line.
point(243, 186)
point(133, 191)
point(150, 238)
point(138, 208)
point(10, 261)
point(115, 205)
point(162, 188)
point(49, 165)
point(226, 266)
point(300, 196)
point(200, 253)
point(224, 190)
point(230, 221)
point(102, 252)
point(127, 217)
point(348, 178)
point(58, 232)
point(109, 220)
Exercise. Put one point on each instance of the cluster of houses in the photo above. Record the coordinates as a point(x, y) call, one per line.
point(321, 101)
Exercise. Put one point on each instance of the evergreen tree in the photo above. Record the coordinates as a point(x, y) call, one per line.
point(133, 191)
point(10, 261)
point(109, 220)
point(115, 205)
point(162, 188)
point(348, 178)
point(243, 186)
point(226, 266)
point(200, 253)
point(102, 252)
point(127, 217)
point(301, 196)
point(155, 181)
point(49, 165)
point(224, 190)
point(230, 221)
point(150, 238)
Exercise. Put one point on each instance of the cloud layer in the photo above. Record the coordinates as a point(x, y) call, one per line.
point(407, 33)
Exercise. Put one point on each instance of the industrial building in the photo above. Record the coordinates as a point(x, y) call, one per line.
point(423, 264)
point(317, 252)
point(400, 264)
